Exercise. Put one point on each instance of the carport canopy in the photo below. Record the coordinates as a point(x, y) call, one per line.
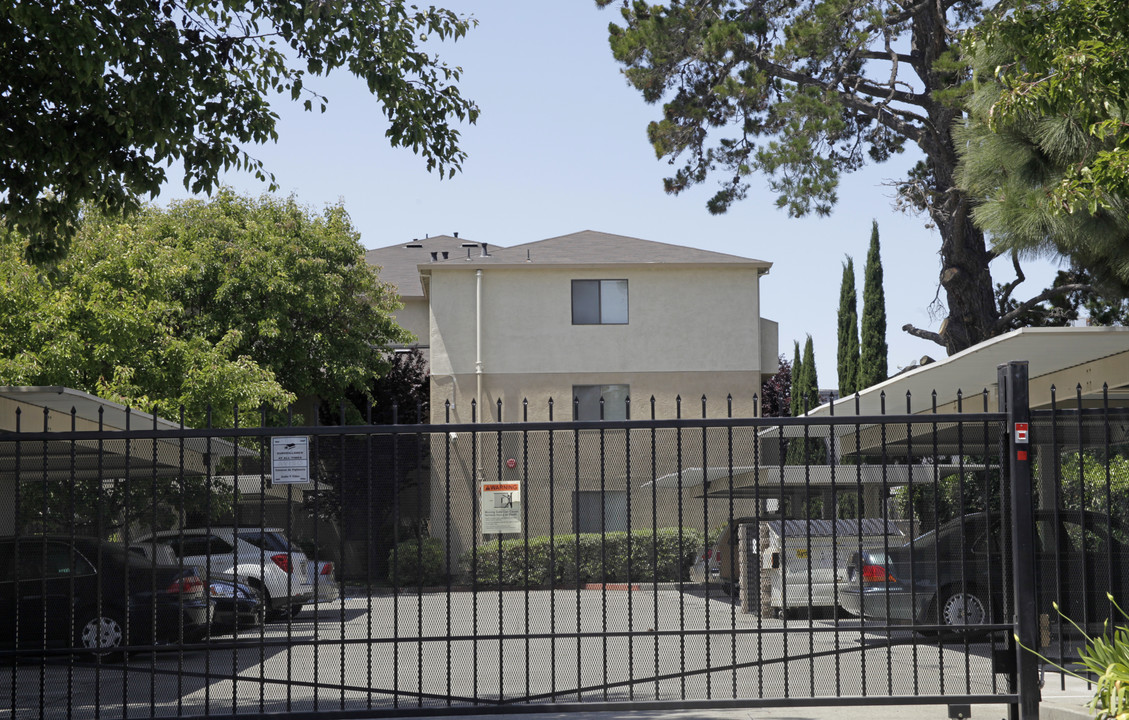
point(45, 410)
point(1068, 358)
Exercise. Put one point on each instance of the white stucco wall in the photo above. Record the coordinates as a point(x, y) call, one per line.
point(681, 318)
point(414, 318)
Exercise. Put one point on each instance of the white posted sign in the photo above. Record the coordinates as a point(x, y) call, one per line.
point(290, 460)
point(501, 507)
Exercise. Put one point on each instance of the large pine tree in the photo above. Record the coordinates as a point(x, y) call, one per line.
point(848, 355)
point(872, 361)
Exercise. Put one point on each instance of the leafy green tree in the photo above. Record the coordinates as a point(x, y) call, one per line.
point(932, 504)
point(1038, 167)
point(803, 92)
point(1089, 480)
point(203, 305)
point(1066, 61)
point(872, 361)
point(106, 324)
point(200, 308)
point(105, 508)
point(848, 355)
point(100, 97)
point(1093, 480)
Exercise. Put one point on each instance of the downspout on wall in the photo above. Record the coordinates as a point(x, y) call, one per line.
point(478, 339)
point(478, 472)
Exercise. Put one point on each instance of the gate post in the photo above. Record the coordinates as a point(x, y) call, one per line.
point(1014, 400)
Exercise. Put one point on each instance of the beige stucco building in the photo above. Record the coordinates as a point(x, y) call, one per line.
point(585, 310)
point(575, 319)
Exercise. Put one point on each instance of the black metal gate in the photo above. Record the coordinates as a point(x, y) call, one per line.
point(523, 566)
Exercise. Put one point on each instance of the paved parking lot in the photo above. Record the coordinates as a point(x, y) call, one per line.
point(488, 648)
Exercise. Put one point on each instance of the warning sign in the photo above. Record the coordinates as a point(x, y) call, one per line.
point(501, 507)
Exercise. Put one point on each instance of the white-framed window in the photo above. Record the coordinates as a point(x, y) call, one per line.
point(586, 405)
point(594, 511)
point(599, 302)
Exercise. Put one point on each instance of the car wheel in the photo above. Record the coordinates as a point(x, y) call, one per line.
point(295, 609)
point(100, 633)
point(964, 608)
point(956, 608)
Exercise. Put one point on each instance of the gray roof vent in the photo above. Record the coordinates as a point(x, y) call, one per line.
point(485, 250)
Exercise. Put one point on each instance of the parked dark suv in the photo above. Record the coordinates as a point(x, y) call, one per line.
point(87, 593)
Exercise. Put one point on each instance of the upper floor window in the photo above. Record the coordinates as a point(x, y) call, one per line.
point(587, 405)
point(599, 302)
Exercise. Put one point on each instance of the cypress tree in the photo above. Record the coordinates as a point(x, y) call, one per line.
point(872, 361)
point(848, 355)
point(797, 382)
point(810, 397)
point(805, 397)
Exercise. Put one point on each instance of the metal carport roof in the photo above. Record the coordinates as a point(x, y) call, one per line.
point(53, 409)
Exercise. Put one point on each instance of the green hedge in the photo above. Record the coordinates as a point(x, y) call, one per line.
point(405, 570)
point(553, 559)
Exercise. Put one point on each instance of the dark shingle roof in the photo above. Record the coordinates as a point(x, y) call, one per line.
point(589, 247)
point(399, 263)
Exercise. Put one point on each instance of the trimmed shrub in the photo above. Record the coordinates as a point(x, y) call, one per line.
point(557, 560)
point(405, 569)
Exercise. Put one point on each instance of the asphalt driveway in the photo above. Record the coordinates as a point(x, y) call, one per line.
point(511, 647)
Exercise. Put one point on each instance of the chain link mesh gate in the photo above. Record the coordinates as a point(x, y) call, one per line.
point(509, 567)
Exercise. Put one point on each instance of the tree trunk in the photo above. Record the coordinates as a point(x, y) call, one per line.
point(965, 277)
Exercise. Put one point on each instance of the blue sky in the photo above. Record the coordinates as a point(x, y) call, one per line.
point(561, 146)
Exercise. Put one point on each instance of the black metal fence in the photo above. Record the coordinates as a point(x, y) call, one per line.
point(364, 571)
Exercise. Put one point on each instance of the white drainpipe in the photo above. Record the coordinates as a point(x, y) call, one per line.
point(479, 477)
point(478, 339)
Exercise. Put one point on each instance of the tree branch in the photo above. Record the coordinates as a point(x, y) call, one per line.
point(1047, 294)
point(1007, 290)
point(893, 119)
point(924, 334)
point(875, 55)
point(864, 85)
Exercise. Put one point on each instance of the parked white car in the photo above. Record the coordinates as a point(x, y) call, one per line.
point(321, 577)
point(318, 574)
point(246, 554)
